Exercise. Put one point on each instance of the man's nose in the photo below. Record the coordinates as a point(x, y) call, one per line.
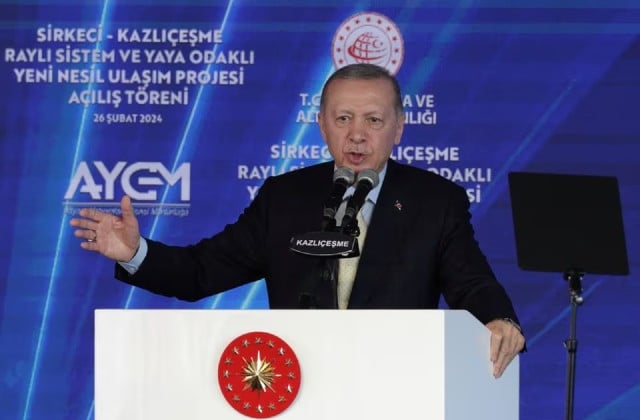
point(357, 133)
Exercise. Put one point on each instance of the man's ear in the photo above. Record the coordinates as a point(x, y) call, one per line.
point(399, 130)
point(321, 125)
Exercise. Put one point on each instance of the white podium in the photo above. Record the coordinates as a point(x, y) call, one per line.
point(356, 364)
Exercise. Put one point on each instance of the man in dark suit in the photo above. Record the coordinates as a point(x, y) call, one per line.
point(419, 240)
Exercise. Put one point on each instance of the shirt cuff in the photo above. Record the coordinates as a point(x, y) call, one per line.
point(133, 265)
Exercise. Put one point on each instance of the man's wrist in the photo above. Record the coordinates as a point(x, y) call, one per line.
point(132, 266)
point(134, 253)
point(512, 322)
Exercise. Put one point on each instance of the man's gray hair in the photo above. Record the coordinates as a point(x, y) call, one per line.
point(364, 72)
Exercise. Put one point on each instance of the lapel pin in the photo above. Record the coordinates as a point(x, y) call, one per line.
point(398, 205)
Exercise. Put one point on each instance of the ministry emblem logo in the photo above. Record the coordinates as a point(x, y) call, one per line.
point(368, 37)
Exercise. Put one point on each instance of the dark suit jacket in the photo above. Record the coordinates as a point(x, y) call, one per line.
point(420, 244)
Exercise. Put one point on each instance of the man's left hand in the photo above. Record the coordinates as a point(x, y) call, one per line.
point(506, 342)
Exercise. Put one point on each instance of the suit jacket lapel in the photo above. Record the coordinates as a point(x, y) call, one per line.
point(385, 234)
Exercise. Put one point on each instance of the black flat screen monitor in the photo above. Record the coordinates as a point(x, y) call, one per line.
point(568, 222)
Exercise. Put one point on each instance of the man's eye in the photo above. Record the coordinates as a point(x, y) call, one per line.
point(342, 120)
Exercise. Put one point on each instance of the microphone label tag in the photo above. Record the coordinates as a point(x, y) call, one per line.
point(325, 244)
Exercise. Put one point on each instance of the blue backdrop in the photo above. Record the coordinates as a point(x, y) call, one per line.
point(189, 107)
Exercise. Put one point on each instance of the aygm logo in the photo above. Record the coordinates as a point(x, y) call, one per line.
point(139, 180)
point(368, 37)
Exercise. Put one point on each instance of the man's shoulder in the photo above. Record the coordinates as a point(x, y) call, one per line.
point(317, 170)
point(419, 178)
point(302, 178)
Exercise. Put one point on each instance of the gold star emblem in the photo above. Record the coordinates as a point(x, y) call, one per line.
point(258, 374)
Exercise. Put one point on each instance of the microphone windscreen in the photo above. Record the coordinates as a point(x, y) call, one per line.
point(369, 175)
point(344, 173)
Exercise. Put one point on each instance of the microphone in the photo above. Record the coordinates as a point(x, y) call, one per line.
point(330, 241)
point(367, 180)
point(343, 177)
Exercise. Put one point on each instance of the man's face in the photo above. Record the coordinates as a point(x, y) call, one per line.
point(359, 122)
